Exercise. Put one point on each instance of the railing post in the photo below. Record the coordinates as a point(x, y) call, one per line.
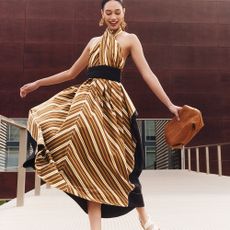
point(197, 160)
point(219, 160)
point(37, 189)
point(48, 186)
point(189, 159)
point(207, 159)
point(21, 171)
point(183, 157)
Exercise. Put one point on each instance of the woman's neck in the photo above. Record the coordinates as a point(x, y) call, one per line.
point(114, 31)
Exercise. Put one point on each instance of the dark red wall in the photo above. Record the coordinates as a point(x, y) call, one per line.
point(8, 188)
point(186, 42)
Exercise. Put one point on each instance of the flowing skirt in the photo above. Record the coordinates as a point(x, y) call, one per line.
point(87, 143)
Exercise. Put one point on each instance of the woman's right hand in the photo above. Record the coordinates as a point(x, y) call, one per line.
point(28, 88)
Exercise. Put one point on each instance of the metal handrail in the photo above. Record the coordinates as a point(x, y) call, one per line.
point(11, 122)
point(197, 148)
point(21, 179)
point(208, 145)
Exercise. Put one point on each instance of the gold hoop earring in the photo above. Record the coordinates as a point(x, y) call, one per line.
point(123, 25)
point(101, 22)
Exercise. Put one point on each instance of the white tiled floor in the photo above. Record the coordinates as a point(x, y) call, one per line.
point(177, 200)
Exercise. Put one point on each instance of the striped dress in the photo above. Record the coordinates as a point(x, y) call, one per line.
point(86, 140)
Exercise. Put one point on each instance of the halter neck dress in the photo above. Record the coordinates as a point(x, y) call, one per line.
point(86, 139)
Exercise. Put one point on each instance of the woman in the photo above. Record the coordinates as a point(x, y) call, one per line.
point(87, 140)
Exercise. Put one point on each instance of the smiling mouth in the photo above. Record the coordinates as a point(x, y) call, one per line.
point(113, 23)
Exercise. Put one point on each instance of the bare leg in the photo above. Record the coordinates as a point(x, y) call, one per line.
point(94, 213)
point(142, 213)
point(143, 216)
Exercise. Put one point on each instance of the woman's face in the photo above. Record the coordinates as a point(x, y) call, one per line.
point(113, 14)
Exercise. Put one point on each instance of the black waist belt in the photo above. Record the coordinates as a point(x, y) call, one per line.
point(106, 72)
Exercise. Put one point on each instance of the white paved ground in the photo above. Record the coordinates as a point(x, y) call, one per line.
point(177, 200)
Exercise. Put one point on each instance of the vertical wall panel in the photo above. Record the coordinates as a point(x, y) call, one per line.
point(162, 150)
point(186, 43)
point(3, 141)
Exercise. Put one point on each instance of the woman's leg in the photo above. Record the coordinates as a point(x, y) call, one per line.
point(143, 216)
point(94, 213)
point(142, 213)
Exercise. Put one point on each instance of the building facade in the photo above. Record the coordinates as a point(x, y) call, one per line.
point(186, 43)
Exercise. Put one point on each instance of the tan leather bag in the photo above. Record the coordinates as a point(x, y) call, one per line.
point(179, 133)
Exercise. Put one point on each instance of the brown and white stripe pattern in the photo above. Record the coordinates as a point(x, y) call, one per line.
point(106, 48)
point(84, 141)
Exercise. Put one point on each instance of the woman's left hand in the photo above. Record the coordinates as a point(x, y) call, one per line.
point(175, 110)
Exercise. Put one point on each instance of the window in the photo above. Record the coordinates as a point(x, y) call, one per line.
point(12, 145)
point(149, 130)
point(150, 156)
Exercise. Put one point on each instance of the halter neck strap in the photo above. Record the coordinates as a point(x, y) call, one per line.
point(114, 33)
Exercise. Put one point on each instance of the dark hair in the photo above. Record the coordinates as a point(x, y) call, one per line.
point(103, 2)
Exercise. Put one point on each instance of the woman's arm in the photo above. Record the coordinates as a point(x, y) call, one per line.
point(149, 77)
point(66, 75)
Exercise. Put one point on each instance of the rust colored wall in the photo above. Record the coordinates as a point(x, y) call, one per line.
point(8, 188)
point(187, 44)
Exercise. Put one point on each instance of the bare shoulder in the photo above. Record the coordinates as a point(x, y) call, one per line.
point(131, 35)
point(93, 41)
point(132, 38)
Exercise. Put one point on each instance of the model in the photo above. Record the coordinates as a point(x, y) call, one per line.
point(86, 138)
